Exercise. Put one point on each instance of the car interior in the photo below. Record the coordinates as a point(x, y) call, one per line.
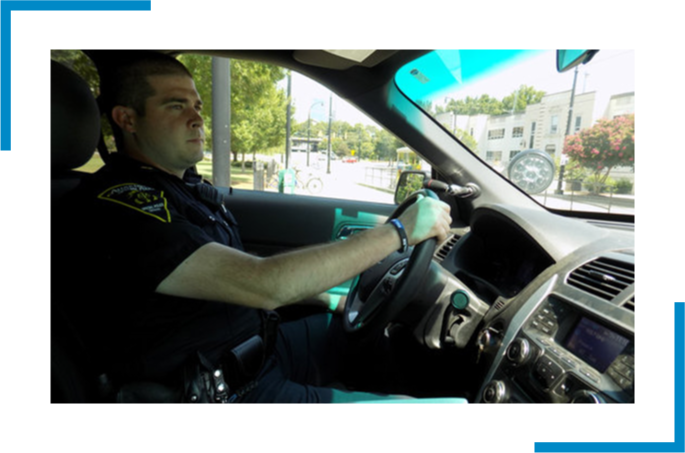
point(521, 304)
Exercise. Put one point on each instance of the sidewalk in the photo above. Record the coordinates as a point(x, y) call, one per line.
point(583, 201)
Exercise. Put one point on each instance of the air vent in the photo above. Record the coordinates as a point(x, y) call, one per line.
point(603, 277)
point(630, 304)
point(446, 248)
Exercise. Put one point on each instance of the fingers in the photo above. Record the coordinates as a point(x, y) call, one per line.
point(442, 220)
point(427, 218)
point(443, 225)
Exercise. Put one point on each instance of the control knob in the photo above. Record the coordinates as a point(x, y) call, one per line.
point(587, 397)
point(518, 351)
point(495, 392)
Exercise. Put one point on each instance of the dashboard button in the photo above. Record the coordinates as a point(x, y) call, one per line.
point(547, 371)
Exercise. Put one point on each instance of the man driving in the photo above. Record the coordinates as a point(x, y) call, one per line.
point(163, 275)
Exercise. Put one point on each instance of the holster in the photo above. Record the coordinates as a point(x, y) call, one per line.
point(243, 363)
point(202, 383)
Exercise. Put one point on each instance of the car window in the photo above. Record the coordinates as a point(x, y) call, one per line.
point(567, 139)
point(326, 148)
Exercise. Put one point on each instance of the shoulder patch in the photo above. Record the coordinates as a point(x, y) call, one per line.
point(141, 198)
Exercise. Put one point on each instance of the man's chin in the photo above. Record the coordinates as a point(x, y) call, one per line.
point(197, 150)
point(197, 158)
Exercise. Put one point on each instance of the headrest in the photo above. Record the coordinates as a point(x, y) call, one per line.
point(75, 119)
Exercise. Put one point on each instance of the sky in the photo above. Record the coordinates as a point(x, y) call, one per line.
point(539, 72)
point(610, 72)
point(307, 93)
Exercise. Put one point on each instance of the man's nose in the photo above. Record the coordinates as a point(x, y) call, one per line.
point(196, 120)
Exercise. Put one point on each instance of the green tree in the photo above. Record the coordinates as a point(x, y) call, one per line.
point(258, 108)
point(385, 146)
point(607, 144)
point(475, 106)
point(524, 97)
point(486, 105)
point(467, 139)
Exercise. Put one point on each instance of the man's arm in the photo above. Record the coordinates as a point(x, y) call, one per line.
point(217, 272)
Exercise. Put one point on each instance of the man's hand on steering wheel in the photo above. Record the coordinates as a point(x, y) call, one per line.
point(426, 218)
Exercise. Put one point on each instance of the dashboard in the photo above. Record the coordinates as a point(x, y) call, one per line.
point(497, 259)
point(563, 354)
point(559, 322)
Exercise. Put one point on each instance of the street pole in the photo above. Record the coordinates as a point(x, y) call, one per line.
point(221, 119)
point(330, 116)
point(562, 167)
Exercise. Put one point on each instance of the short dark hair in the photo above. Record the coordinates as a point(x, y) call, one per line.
point(124, 82)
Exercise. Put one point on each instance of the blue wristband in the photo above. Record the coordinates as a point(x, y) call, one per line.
point(403, 234)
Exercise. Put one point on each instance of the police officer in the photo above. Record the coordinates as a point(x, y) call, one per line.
point(163, 271)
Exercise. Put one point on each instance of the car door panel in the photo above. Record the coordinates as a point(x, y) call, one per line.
point(272, 222)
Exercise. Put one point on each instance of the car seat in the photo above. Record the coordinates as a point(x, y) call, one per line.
point(75, 131)
point(75, 128)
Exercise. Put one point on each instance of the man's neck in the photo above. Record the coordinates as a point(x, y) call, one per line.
point(147, 161)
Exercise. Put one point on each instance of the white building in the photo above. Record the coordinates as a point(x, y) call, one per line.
point(619, 105)
point(547, 122)
point(542, 126)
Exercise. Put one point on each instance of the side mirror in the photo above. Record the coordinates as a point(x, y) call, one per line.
point(567, 58)
point(408, 183)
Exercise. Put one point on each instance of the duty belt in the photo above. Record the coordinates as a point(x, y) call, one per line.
point(203, 382)
point(243, 363)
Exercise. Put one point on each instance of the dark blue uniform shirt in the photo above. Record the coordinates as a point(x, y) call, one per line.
point(128, 227)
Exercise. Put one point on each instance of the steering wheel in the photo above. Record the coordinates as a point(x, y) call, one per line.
point(380, 293)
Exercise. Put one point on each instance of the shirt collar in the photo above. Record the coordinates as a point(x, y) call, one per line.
point(118, 159)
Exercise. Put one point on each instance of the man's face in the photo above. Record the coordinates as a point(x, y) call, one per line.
point(171, 133)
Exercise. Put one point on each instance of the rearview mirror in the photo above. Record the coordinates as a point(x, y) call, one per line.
point(568, 58)
point(409, 182)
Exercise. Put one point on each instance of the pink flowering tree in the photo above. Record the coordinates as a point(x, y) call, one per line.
point(607, 144)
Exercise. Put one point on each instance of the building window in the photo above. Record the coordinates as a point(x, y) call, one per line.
point(495, 134)
point(493, 156)
point(554, 124)
point(517, 132)
point(513, 153)
point(577, 127)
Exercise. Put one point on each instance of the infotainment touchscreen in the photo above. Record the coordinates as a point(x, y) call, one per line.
point(595, 344)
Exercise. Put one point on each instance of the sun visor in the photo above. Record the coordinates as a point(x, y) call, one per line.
point(342, 59)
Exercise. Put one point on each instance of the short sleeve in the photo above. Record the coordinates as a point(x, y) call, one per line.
point(145, 235)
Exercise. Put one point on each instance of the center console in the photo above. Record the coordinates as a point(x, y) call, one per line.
point(563, 354)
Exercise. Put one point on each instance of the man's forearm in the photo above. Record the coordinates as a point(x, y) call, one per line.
point(310, 271)
point(217, 272)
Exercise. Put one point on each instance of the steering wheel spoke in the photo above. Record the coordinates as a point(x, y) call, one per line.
point(370, 306)
point(383, 291)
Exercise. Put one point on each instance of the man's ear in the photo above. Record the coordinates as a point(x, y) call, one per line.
point(124, 118)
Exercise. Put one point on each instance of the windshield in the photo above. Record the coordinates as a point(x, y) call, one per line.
point(567, 139)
